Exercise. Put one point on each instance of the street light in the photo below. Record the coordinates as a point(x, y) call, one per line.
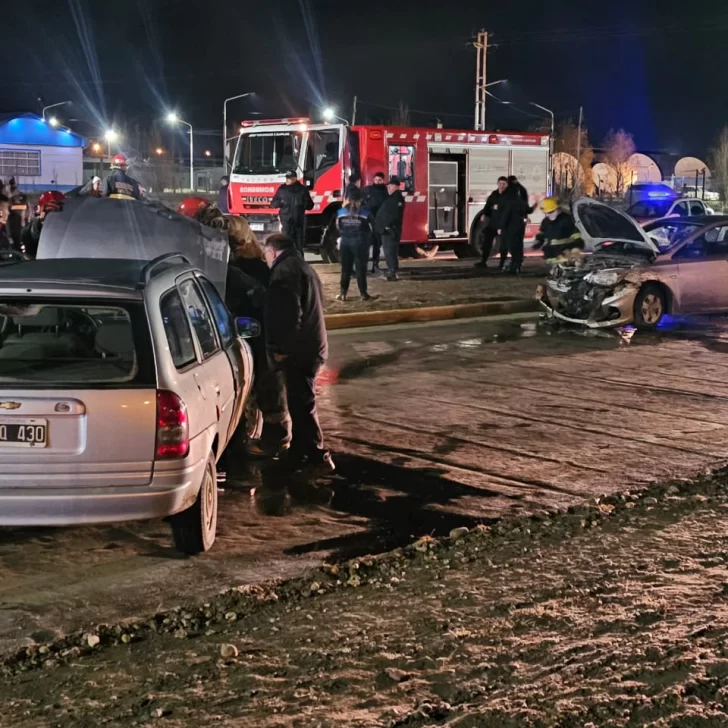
point(111, 136)
point(53, 106)
point(173, 118)
point(96, 147)
point(53, 121)
point(330, 114)
point(551, 144)
point(224, 125)
point(208, 153)
point(159, 151)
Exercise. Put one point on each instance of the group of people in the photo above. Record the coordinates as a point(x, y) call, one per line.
point(273, 284)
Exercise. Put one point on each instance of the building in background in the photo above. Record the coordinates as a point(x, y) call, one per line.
point(38, 155)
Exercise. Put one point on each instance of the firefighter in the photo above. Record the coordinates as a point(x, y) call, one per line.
point(292, 200)
point(50, 201)
point(491, 215)
point(119, 184)
point(193, 207)
point(355, 229)
point(373, 198)
point(388, 224)
point(558, 236)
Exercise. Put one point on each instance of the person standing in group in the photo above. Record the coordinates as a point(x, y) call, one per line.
point(512, 223)
point(5, 242)
point(354, 184)
point(373, 197)
point(388, 224)
point(491, 215)
point(355, 234)
point(119, 183)
point(292, 200)
point(19, 213)
point(296, 339)
point(222, 195)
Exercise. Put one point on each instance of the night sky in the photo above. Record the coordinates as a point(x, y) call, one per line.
point(659, 69)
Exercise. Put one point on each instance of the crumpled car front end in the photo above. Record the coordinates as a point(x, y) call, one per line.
point(599, 293)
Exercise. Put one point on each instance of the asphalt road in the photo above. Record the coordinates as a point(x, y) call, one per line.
point(432, 427)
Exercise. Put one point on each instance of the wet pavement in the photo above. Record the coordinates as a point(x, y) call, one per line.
point(433, 427)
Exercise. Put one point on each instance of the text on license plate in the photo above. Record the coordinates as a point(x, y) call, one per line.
point(23, 433)
point(259, 226)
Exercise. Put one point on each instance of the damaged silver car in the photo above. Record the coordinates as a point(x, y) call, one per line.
point(638, 275)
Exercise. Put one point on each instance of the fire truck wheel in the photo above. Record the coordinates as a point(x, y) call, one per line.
point(427, 250)
point(329, 251)
point(476, 238)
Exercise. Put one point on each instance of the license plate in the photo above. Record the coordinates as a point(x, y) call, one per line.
point(258, 226)
point(23, 433)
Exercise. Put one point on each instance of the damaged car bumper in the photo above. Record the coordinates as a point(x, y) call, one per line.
point(596, 308)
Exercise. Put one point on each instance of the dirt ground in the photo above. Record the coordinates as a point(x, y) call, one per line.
point(434, 283)
point(609, 614)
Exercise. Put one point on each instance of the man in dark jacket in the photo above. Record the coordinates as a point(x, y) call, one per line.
point(388, 224)
point(292, 200)
point(513, 228)
point(222, 195)
point(5, 242)
point(297, 343)
point(491, 215)
point(373, 197)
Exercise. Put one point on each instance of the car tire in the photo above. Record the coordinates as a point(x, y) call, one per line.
point(476, 238)
point(649, 307)
point(251, 422)
point(194, 529)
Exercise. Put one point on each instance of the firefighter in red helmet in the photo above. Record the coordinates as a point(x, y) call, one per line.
point(50, 201)
point(193, 207)
point(119, 184)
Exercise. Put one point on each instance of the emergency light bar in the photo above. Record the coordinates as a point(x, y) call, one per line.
point(261, 122)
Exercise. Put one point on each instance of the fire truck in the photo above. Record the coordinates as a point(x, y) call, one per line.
point(446, 176)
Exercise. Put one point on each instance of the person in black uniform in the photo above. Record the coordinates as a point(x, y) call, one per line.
point(388, 224)
point(491, 215)
point(292, 200)
point(5, 242)
point(119, 183)
point(19, 213)
point(355, 231)
point(297, 343)
point(373, 197)
point(513, 227)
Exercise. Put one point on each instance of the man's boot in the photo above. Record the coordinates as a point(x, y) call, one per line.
point(274, 441)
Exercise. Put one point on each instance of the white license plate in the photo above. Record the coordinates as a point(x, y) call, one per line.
point(258, 226)
point(23, 433)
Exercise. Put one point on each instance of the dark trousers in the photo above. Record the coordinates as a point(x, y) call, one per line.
point(390, 246)
point(307, 440)
point(487, 239)
point(295, 229)
point(376, 249)
point(354, 256)
point(515, 248)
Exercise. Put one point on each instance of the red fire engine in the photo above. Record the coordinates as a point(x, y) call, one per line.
point(446, 176)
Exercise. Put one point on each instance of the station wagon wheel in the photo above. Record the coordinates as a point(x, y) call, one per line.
point(649, 307)
point(252, 419)
point(194, 529)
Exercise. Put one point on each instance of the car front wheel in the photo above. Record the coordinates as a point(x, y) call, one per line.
point(649, 308)
point(194, 529)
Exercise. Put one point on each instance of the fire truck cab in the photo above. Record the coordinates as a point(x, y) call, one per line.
point(446, 177)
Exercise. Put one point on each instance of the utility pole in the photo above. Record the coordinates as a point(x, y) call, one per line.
point(578, 148)
point(353, 112)
point(481, 47)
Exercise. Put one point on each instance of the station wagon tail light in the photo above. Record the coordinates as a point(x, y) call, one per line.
point(173, 433)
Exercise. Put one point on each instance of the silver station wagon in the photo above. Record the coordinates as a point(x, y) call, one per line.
point(121, 383)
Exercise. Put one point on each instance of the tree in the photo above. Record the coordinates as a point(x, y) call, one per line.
point(618, 148)
point(401, 117)
point(718, 161)
point(566, 145)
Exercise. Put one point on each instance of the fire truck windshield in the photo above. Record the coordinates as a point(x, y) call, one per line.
point(267, 153)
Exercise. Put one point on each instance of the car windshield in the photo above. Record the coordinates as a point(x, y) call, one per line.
point(267, 153)
point(650, 208)
point(669, 233)
point(58, 343)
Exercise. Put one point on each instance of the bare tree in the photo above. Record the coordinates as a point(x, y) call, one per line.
point(571, 170)
point(718, 161)
point(618, 148)
point(401, 117)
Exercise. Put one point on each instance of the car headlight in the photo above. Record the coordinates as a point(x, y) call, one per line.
point(604, 277)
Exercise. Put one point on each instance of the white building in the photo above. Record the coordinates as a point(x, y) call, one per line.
point(39, 156)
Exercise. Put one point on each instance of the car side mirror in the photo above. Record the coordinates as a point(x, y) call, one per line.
point(247, 328)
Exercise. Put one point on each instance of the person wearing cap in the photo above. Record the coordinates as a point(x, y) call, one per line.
point(222, 195)
point(388, 224)
point(292, 200)
point(119, 184)
point(558, 235)
point(355, 231)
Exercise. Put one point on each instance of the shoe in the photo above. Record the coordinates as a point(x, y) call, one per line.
point(392, 278)
point(380, 274)
point(367, 297)
point(266, 450)
point(481, 264)
point(341, 297)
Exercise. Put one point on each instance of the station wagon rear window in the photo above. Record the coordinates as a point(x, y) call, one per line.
point(54, 343)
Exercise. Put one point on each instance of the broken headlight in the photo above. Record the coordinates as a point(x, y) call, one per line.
point(604, 277)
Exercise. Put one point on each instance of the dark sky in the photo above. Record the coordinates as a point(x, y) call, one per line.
point(658, 68)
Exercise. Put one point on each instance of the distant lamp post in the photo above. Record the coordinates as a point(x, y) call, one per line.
point(159, 151)
point(330, 114)
point(111, 136)
point(53, 121)
point(173, 118)
point(551, 146)
point(208, 153)
point(224, 125)
point(96, 147)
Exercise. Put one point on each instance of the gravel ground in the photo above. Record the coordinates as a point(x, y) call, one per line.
point(608, 614)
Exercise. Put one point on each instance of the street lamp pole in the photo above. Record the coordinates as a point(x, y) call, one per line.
point(551, 145)
point(52, 106)
point(172, 118)
point(224, 126)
